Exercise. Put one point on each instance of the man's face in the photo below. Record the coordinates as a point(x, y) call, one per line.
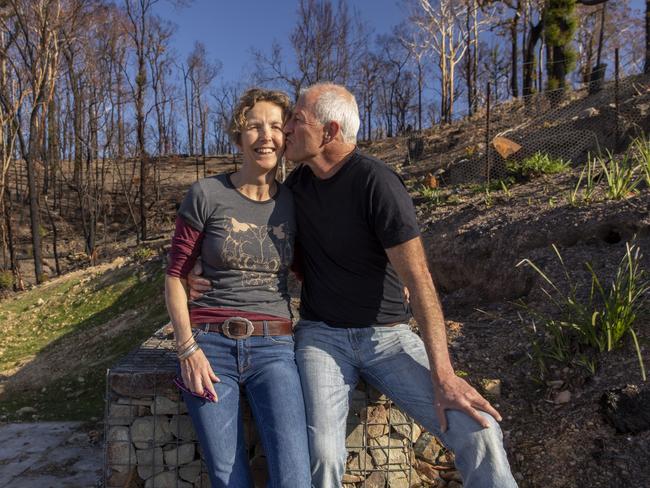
point(304, 133)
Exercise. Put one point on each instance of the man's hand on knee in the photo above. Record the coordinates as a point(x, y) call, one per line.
point(454, 393)
point(196, 284)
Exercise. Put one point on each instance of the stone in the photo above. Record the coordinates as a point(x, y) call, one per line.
point(361, 462)
point(403, 425)
point(181, 427)
point(505, 147)
point(118, 479)
point(162, 405)
point(120, 453)
point(150, 431)
point(355, 437)
point(119, 414)
point(150, 462)
point(40, 302)
point(427, 448)
point(190, 472)
point(398, 479)
point(179, 455)
point(491, 387)
point(25, 411)
point(145, 402)
point(376, 480)
point(388, 450)
point(352, 478)
point(203, 481)
point(166, 479)
point(144, 384)
point(563, 397)
point(376, 419)
point(451, 475)
point(427, 470)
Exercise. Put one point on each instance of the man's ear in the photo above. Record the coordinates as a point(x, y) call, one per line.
point(332, 129)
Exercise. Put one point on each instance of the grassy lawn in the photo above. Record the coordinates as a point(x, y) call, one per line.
point(64, 330)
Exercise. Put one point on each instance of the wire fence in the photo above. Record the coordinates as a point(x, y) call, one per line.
point(568, 124)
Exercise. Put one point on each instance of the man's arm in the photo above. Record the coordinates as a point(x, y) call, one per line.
point(452, 392)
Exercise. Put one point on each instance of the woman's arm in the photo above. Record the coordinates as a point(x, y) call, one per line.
point(196, 371)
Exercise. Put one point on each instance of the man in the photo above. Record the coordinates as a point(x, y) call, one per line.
point(360, 245)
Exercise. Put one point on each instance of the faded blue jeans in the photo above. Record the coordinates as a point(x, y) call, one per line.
point(394, 361)
point(264, 368)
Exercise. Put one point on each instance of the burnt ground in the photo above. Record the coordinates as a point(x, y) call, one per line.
point(554, 438)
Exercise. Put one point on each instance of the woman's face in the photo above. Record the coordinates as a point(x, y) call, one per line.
point(262, 139)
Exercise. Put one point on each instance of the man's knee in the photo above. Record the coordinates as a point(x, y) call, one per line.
point(465, 432)
point(327, 450)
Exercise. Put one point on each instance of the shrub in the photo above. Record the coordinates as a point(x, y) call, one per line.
point(6, 280)
point(538, 164)
point(583, 327)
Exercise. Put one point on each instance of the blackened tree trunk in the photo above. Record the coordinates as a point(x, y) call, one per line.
point(529, 58)
point(647, 37)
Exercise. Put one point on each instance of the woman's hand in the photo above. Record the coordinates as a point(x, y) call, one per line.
point(198, 376)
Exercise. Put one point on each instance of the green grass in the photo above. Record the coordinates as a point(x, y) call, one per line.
point(70, 308)
point(538, 164)
point(586, 325)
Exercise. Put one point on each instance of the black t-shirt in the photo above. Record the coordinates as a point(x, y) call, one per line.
point(345, 223)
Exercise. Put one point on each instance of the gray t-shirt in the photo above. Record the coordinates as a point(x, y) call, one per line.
point(247, 246)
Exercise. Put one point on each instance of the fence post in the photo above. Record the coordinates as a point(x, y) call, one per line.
point(487, 138)
point(616, 96)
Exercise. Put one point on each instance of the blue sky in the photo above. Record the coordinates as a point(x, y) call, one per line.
point(230, 28)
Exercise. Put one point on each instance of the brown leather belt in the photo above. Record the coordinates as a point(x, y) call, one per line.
point(242, 328)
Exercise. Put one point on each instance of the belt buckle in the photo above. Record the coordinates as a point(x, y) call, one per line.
point(225, 327)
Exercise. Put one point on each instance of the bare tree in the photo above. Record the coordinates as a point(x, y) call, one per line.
point(35, 33)
point(447, 37)
point(139, 13)
point(323, 45)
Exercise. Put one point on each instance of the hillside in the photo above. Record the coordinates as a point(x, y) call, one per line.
point(58, 338)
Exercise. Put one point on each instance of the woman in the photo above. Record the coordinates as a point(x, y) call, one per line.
point(239, 334)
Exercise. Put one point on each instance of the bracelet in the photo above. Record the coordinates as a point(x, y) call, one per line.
point(181, 349)
point(184, 343)
point(188, 352)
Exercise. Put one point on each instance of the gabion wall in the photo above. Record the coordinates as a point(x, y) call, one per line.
point(150, 440)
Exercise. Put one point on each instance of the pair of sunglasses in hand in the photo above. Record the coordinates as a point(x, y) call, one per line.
point(178, 381)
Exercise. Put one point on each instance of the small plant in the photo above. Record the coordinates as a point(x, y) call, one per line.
point(143, 254)
point(597, 323)
point(6, 280)
point(506, 190)
point(487, 198)
point(538, 164)
point(588, 176)
point(641, 153)
point(620, 176)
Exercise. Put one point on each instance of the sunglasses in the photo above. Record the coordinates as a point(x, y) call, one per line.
point(206, 394)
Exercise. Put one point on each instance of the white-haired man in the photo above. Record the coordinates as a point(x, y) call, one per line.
point(360, 245)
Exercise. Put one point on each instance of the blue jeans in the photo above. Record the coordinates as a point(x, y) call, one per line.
point(394, 361)
point(264, 368)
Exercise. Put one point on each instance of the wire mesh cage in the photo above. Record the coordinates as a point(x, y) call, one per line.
point(150, 440)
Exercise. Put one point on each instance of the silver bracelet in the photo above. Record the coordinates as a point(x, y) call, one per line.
point(188, 352)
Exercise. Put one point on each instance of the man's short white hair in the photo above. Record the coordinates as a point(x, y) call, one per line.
point(336, 103)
